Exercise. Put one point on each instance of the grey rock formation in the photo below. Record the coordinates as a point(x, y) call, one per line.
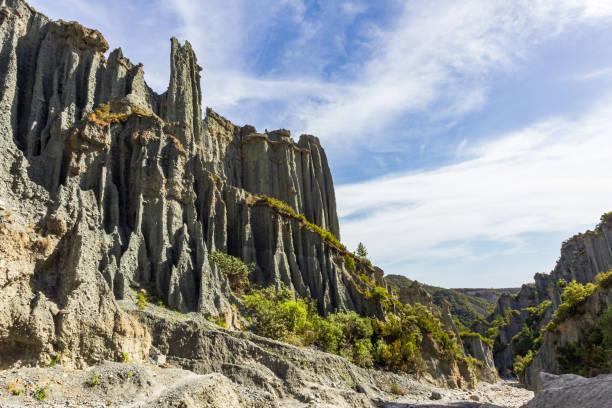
point(583, 256)
point(169, 186)
point(478, 349)
point(273, 164)
point(571, 391)
point(415, 293)
point(569, 331)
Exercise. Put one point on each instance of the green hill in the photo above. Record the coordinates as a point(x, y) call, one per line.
point(465, 308)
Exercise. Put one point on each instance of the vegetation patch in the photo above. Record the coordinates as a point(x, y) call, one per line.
point(592, 355)
point(40, 393)
point(521, 363)
point(14, 387)
point(103, 117)
point(574, 295)
point(326, 235)
point(487, 341)
point(144, 297)
point(94, 380)
point(393, 344)
point(349, 261)
point(463, 307)
point(235, 269)
point(604, 279)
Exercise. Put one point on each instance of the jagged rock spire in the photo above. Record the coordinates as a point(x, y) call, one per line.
point(182, 102)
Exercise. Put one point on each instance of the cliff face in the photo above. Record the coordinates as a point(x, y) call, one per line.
point(120, 189)
point(148, 185)
point(273, 164)
point(582, 257)
point(570, 332)
point(169, 186)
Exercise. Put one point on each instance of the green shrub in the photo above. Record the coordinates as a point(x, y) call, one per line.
point(294, 314)
point(362, 353)
point(574, 295)
point(605, 218)
point(379, 293)
point(522, 362)
point(492, 333)
point(141, 300)
point(394, 344)
point(487, 341)
point(606, 327)
point(328, 335)
point(219, 321)
point(125, 357)
point(236, 271)
point(604, 279)
point(94, 380)
point(588, 357)
point(395, 389)
point(524, 340)
point(40, 393)
point(275, 314)
point(349, 261)
point(537, 313)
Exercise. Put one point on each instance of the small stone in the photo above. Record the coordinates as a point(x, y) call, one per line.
point(159, 359)
point(435, 395)
point(474, 397)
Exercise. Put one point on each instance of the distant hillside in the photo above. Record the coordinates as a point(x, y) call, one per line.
point(464, 307)
point(488, 294)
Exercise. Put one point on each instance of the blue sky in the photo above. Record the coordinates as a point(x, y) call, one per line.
point(467, 139)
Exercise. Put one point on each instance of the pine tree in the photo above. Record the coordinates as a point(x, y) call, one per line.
point(362, 251)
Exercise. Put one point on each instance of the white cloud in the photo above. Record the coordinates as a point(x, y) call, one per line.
point(434, 54)
point(552, 176)
point(443, 52)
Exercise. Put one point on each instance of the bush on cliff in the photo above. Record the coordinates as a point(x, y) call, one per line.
point(277, 314)
point(521, 363)
point(394, 344)
point(237, 272)
point(592, 354)
point(574, 295)
point(286, 208)
point(604, 279)
point(485, 340)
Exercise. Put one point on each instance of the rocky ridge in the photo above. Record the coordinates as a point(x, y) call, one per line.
point(583, 256)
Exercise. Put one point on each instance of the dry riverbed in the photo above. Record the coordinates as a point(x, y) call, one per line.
point(505, 394)
point(138, 385)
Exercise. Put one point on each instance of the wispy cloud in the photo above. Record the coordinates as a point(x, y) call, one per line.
point(431, 55)
point(441, 53)
point(549, 177)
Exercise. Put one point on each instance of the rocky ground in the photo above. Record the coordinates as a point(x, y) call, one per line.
point(504, 394)
point(162, 385)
